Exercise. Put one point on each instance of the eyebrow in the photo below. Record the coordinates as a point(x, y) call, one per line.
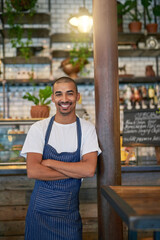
point(57, 92)
point(69, 91)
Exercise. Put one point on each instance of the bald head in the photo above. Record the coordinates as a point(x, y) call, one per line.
point(65, 80)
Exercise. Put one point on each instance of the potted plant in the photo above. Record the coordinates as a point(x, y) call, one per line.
point(150, 26)
point(135, 16)
point(23, 5)
point(123, 9)
point(14, 9)
point(41, 108)
point(78, 58)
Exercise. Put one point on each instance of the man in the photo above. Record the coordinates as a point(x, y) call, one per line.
point(60, 151)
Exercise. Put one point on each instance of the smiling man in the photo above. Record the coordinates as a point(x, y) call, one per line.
point(60, 151)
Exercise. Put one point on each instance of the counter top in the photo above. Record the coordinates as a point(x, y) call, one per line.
point(13, 169)
point(16, 169)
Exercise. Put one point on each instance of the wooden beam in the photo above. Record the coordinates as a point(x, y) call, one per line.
point(107, 112)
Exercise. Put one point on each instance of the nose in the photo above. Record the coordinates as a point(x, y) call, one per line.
point(64, 98)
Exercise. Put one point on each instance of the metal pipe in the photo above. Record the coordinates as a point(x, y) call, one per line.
point(4, 99)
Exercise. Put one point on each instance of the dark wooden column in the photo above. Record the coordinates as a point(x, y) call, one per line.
point(107, 112)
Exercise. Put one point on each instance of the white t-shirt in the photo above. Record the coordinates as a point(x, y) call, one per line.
point(63, 137)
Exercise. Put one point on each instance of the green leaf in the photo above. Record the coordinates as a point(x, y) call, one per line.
point(146, 3)
point(156, 11)
point(31, 98)
point(42, 98)
point(16, 30)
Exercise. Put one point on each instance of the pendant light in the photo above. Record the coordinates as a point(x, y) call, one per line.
point(83, 20)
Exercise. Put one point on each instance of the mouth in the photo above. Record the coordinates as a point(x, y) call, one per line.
point(65, 106)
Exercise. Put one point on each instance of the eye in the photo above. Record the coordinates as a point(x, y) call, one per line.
point(70, 93)
point(58, 94)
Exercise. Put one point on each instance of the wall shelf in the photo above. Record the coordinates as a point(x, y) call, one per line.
point(139, 52)
point(69, 37)
point(140, 79)
point(22, 60)
point(37, 18)
point(85, 81)
point(123, 38)
point(27, 82)
point(35, 32)
point(121, 53)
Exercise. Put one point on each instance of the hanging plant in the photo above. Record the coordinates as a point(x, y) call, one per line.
point(16, 30)
point(23, 5)
point(78, 57)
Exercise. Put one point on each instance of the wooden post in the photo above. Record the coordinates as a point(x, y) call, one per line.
point(107, 112)
point(157, 150)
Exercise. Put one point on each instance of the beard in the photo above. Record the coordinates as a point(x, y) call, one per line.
point(62, 105)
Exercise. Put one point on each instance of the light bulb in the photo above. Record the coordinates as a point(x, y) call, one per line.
point(74, 21)
point(85, 23)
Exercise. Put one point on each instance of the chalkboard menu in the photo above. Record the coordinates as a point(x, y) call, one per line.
point(141, 127)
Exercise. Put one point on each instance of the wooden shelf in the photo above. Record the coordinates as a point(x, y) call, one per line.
point(37, 18)
point(134, 38)
point(123, 38)
point(18, 82)
point(62, 53)
point(139, 53)
point(86, 80)
point(22, 60)
point(129, 38)
point(70, 37)
point(33, 50)
point(35, 32)
point(140, 79)
point(24, 82)
point(121, 53)
point(27, 82)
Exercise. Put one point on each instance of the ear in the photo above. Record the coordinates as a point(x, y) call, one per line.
point(52, 98)
point(78, 96)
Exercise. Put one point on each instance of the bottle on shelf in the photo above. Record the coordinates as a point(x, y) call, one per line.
point(151, 92)
point(151, 95)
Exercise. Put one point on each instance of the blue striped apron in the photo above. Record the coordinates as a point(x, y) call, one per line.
point(53, 212)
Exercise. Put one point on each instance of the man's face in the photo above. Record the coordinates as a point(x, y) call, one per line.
point(65, 97)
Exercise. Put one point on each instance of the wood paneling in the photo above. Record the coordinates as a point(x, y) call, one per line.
point(9, 197)
point(8, 213)
point(12, 237)
point(15, 192)
point(12, 228)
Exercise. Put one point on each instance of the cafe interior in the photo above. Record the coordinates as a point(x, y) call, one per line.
point(108, 48)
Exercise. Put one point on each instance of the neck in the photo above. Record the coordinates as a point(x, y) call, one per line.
point(65, 119)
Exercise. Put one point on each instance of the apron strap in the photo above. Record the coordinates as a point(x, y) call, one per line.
point(79, 135)
point(49, 129)
point(79, 132)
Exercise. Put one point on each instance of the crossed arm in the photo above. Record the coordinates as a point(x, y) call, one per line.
point(49, 169)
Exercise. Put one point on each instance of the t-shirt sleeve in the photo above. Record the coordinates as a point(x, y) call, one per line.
point(90, 141)
point(34, 141)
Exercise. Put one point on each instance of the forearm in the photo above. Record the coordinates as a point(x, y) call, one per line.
point(73, 169)
point(40, 172)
